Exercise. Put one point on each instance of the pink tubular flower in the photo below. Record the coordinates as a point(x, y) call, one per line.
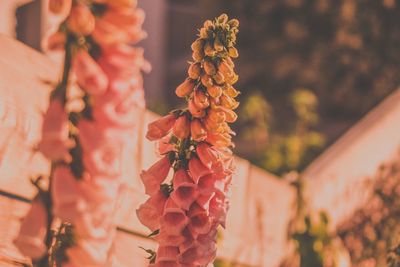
point(174, 219)
point(150, 212)
point(89, 75)
point(54, 144)
point(197, 169)
point(122, 61)
point(170, 240)
point(184, 193)
point(67, 201)
point(200, 222)
point(198, 131)
point(30, 240)
point(167, 253)
point(119, 110)
point(155, 175)
point(207, 155)
point(182, 127)
point(119, 25)
point(164, 146)
point(102, 149)
point(161, 127)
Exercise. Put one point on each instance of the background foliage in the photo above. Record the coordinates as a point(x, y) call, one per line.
point(344, 52)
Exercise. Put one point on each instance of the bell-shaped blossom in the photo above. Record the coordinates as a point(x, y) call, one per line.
point(55, 142)
point(90, 76)
point(198, 131)
point(185, 192)
point(119, 110)
point(219, 206)
point(197, 169)
point(207, 155)
point(200, 221)
point(164, 146)
point(68, 203)
point(174, 219)
point(161, 127)
point(122, 61)
point(211, 183)
point(182, 127)
point(102, 149)
point(167, 253)
point(150, 212)
point(170, 239)
point(32, 233)
point(155, 175)
point(119, 26)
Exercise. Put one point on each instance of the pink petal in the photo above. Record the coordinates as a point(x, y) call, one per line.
point(207, 155)
point(102, 149)
point(200, 224)
point(160, 128)
point(184, 193)
point(210, 183)
point(197, 169)
point(67, 201)
point(54, 144)
point(30, 240)
point(169, 240)
point(90, 76)
point(163, 145)
point(155, 175)
point(167, 253)
point(150, 212)
point(174, 219)
point(119, 110)
point(218, 208)
point(204, 200)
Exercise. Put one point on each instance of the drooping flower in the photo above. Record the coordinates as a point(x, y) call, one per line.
point(198, 131)
point(150, 212)
point(155, 175)
point(32, 234)
point(55, 142)
point(185, 192)
point(182, 127)
point(90, 76)
point(197, 169)
point(161, 127)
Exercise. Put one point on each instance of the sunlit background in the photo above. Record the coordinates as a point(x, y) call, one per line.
point(309, 70)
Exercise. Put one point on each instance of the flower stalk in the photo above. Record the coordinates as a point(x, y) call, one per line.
point(184, 211)
point(84, 136)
